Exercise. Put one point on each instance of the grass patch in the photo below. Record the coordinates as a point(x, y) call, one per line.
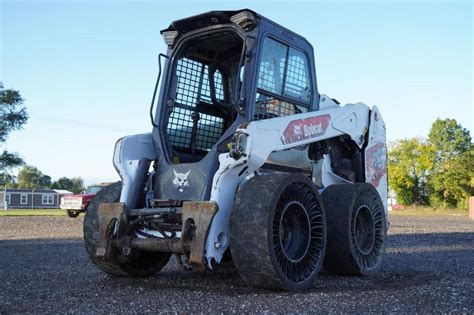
point(32, 212)
point(414, 210)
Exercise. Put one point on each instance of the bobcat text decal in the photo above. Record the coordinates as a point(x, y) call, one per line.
point(302, 129)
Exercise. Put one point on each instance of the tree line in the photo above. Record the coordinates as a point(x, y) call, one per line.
point(31, 177)
point(437, 171)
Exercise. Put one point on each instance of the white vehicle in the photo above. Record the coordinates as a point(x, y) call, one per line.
point(246, 161)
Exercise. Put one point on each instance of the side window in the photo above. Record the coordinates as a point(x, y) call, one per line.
point(284, 85)
point(272, 66)
point(297, 83)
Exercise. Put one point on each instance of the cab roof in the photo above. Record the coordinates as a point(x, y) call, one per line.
point(211, 18)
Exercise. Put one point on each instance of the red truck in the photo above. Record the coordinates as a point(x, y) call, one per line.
point(75, 204)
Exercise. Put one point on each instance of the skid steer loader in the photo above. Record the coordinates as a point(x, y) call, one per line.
point(246, 162)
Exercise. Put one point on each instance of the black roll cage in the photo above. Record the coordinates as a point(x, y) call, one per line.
point(244, 93)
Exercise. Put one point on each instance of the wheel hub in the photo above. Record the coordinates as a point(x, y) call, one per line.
point(364, 230)
point(294, 231)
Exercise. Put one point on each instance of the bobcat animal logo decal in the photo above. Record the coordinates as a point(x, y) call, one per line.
point(180, 180)
point(297, 131)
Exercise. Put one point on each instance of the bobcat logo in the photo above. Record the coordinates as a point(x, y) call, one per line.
point(297, 131)
point(180, 180)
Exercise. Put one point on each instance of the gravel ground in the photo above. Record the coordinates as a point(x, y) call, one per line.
point(429, 267)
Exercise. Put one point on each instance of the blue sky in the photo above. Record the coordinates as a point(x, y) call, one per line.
point(86, 69)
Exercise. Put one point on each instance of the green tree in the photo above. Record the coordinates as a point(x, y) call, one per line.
point(453, 182)
point(451, 177)
point(449, 139)
point(409, 164)
point(31, 177)
point(75, 184)
point(7, 160)
point(13, 116)
point(7, 180)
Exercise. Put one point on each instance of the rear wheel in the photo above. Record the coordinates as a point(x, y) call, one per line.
point(72, 213)
point(278, 232)
point(356, 229)
point(140, 264)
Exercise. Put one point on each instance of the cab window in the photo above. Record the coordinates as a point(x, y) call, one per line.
point(284, 85)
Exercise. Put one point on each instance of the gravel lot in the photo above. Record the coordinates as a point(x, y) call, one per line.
point(429, 267)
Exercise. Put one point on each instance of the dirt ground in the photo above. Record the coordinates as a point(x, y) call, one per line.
point(429, 266)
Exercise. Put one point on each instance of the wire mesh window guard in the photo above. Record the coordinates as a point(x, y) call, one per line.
point(283, 71)
point(297, 83)
point(269, 107)
point(193, 89)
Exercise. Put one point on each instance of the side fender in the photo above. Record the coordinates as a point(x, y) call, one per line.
point(132, 158)
point(376, 156)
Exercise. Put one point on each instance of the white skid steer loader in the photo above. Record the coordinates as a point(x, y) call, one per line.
point(246, 163)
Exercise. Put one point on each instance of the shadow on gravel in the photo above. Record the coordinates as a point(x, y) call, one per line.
point(405, 266)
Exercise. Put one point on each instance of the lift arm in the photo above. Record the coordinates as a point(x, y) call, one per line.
point(254, 143)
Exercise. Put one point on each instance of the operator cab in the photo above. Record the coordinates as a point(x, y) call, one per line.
point(225, 69)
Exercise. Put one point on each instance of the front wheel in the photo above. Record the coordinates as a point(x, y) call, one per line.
point(141, 264)
point(278, 232)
